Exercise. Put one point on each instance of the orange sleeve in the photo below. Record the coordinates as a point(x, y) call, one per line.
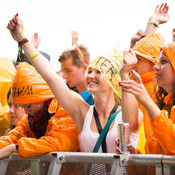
point(61, 135)
point(164, 129)
point(21, 130)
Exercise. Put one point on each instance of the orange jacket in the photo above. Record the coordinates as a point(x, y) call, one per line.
point(147, 79)
point(7, 70)
point(162, 138)
point(61, 135)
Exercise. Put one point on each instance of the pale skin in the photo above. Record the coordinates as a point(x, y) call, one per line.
point(159, 16)
point(72, 102)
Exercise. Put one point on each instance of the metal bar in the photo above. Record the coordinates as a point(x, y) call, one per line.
point(116, 168)
point(105, 158)
point(35, 167)
point(3, 166)
point(55, 166)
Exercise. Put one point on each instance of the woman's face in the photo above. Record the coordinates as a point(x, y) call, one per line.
point(95, 81)
point(143, 65)
point(32, 108)
point(164, 73)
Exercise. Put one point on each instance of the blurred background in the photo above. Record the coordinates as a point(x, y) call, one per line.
point(100, 24)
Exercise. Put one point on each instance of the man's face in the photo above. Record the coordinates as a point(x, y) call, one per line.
point(73, 74)
point(16, 113)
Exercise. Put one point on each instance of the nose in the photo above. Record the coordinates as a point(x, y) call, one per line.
point(156, 67)
point(64, 75)
point(12, 109)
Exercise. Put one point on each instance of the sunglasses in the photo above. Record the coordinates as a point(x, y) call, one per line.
point(79, 52)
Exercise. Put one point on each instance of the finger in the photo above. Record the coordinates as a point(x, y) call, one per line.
point(156, 9)
point(131, 51)
point(127, 59)
point(10, 27)
point(160, 9)
point(12, 22)
point(137, 76)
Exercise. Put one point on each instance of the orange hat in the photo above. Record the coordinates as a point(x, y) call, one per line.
point(28, 86)
point(169, 50)
point(149, 47)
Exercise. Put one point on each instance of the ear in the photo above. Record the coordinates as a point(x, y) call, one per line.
point(85, 66)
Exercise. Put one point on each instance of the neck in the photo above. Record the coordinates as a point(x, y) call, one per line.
point(81, 87)
point(104, 105)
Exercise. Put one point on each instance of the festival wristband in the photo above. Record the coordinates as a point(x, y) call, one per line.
point(153, 23)
point(34, 56)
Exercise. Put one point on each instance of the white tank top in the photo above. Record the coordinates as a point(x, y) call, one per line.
point(88, 138)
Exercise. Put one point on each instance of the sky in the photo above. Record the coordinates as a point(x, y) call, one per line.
point(101, 24)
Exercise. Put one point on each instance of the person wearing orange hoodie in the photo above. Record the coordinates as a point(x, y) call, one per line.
point(161, 139)
point(7, 70)
point(46, 127)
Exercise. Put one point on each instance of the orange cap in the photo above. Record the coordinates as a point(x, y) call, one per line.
point(28, 86)
point(149, 47)
point(169, 50)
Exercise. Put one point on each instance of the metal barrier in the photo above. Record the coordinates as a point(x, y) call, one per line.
point(75, 163)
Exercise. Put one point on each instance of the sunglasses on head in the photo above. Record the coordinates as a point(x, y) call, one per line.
point(79, 52)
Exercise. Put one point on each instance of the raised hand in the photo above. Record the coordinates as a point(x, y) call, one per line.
point(36, 40)
point(136, 37)
point(74, 38)
point(160, 14)
point(129, 62)
point(15, 26)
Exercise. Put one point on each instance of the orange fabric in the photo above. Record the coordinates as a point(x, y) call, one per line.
point(169, 50)
point(147, 79)
point(149, 47)
point(61, 135)
point(28, 86)
point(162, 138)
point(7, 70)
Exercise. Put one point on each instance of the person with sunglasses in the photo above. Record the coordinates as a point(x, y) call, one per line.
point(74, 62)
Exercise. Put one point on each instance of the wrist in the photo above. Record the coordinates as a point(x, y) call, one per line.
point(125, 76)
point(20, 38)
point(154, 21)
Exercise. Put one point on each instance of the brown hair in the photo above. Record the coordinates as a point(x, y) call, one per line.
point(160, 94)
point(77, 59)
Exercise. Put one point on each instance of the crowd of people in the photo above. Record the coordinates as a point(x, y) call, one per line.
point(43, 111)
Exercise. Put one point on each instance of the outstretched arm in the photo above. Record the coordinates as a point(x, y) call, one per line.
point(160, 16)
point(130, 110)
point(70, 101)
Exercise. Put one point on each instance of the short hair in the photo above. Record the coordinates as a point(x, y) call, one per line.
point(77, 59)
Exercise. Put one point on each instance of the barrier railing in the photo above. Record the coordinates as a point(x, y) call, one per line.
point(66, 163)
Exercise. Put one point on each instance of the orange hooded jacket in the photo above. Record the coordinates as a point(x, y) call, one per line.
point(7, 70)
point(162, 138)
point(61, 134)
point(149, 48)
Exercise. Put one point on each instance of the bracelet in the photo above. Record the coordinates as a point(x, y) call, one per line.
point(25, 40)
point(150, 22)
point(34, 56)
point(20, 54)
